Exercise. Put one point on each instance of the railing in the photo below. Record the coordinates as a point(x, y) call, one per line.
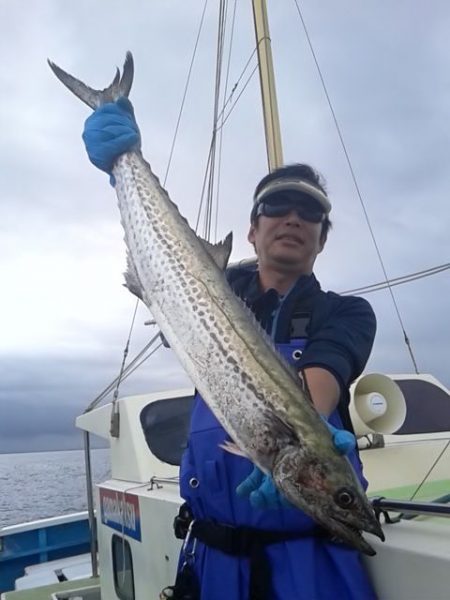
point(414, 508)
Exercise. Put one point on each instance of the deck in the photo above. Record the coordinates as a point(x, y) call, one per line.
point(45, 592)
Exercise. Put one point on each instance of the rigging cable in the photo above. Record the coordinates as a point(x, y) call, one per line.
point(358, 191)
point(223, 120)
point(212, 163)
point(438, 458)
point(221, 126)
point(362, 290)
point(115, 422)
point(122, 366)
point(133, 368)
point(202, 195)
point(186, 87)
point(387, 283)
point(134, 364)
point(375, 287)
point(220, 129)
point(110, 387)
point(125, 372)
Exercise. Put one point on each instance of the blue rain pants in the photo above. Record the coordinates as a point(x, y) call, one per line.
point(308, 568)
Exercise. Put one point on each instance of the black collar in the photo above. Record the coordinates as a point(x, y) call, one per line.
point(245, 283)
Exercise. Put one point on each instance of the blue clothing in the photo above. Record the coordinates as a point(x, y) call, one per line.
point(308, 568)
point(339, 329)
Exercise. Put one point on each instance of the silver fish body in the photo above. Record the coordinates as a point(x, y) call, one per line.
point(254, 393)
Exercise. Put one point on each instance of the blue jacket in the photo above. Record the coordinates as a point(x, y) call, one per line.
point(325, 330)
point(340, 330)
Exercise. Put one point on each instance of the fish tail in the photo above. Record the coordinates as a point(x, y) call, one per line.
point(120, 86)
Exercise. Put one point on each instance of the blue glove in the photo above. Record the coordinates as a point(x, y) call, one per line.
point(262, 492)
point(344, 441)
point(110, 131)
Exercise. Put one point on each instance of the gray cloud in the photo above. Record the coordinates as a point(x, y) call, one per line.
point(41, 396)
point(65, 316)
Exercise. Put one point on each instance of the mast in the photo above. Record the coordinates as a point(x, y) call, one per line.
point(267, 80)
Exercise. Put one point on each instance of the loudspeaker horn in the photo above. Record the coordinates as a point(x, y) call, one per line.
point(377, 405)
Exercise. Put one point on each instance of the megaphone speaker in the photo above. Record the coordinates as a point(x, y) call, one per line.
point(377, 405)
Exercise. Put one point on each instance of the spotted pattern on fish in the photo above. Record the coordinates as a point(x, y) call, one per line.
point(257, 397)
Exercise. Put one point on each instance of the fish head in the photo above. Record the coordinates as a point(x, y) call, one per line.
point(327, 489)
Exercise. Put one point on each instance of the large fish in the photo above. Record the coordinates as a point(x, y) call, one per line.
point(257, 397)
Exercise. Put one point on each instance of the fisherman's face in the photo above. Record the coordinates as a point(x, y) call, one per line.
point(287, 243)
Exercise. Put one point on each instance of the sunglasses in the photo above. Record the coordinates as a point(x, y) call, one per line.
point(281, 207)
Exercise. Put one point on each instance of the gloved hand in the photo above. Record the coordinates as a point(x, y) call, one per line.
point(262, 492)
point(110, 131)
point(344, 441)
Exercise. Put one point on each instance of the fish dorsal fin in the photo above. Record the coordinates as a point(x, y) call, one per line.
point(221, 251)
point(132, 281)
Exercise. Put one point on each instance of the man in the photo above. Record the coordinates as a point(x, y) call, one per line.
point(247, 542)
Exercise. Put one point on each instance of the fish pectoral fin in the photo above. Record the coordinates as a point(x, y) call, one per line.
point(281, 429)
point(132, 281)
point(220, 252)
point(232, 448)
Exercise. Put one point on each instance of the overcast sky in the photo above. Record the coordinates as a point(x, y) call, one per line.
point(65, 316)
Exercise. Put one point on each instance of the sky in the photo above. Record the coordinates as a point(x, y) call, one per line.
point(65, 315)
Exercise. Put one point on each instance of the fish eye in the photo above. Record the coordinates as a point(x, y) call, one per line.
point(344, 498)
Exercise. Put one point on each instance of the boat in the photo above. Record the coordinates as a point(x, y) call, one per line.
point(124, 547)
point(138, 552)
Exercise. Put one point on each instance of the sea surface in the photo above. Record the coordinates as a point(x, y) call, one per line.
point(46, 484)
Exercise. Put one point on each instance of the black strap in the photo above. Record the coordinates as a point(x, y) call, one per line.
point(236, 541)
point(239, 541)
point(260, 586)
point(185, 588)
point(249, 542)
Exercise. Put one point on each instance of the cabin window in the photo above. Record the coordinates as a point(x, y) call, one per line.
point(428, 407)
point(122, 568)
point(166, 427)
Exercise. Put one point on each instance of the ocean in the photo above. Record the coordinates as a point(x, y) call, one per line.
point(46, 484)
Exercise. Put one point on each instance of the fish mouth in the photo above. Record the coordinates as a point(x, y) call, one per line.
point(346, 533)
